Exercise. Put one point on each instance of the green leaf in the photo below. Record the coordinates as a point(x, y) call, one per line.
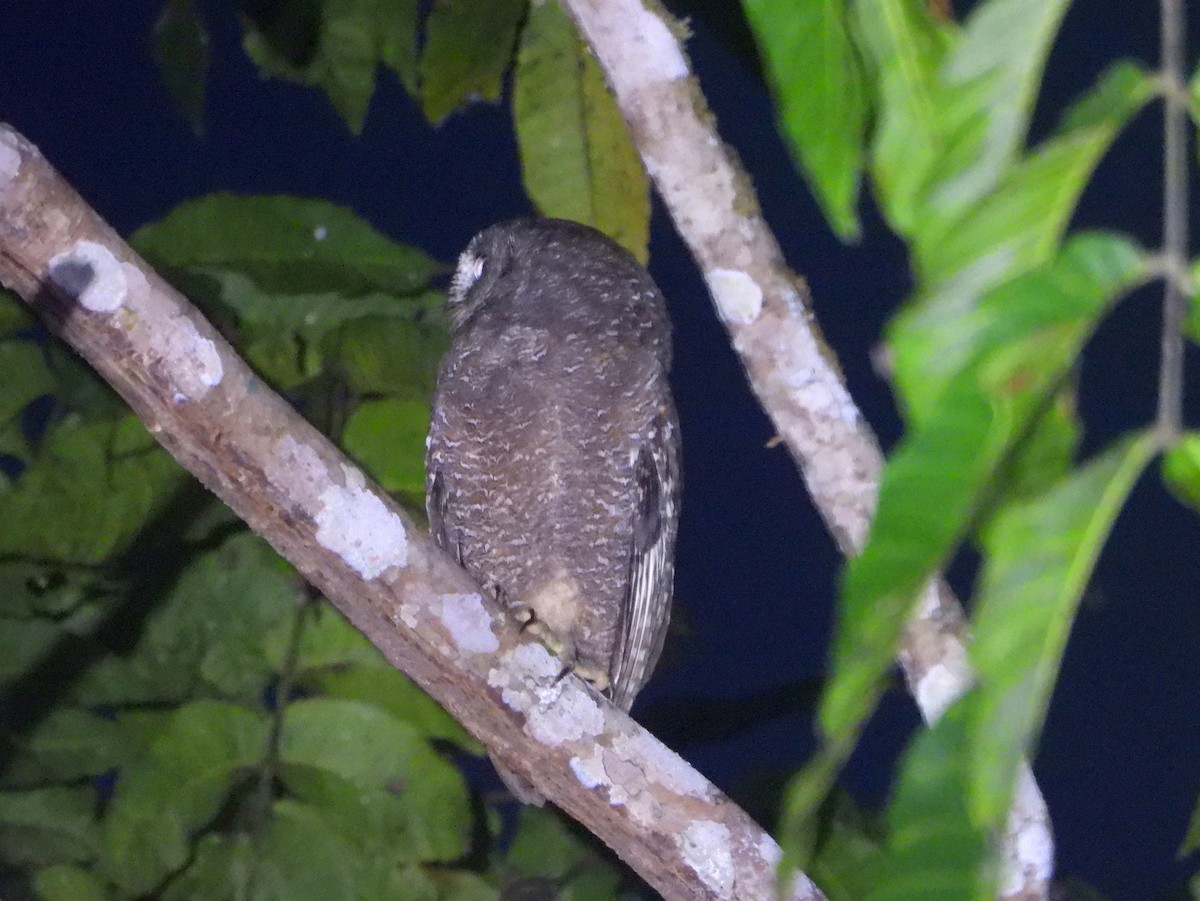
point(904, 46)
point(1192, 326)
point(181, 54)
point(87, 493)
point(394, 356)
point(388, 438)
point(944, 330)
point(24, 376)
point(817, 79)
point(1039, 557)
point(1021, 340)
point(207, 634)
point(220, 870)
point(375, 778)
point(69, 883)
point(989, 84)
point(1181, 469)
point(163, 799)
point(392, 691)
point(14, 314)
point(934, 850)
point(23, 644)
point(48, 826)
point(288, 245)
point(304, 859)
point(67, 745)
point(577, 159)
point(468, 48)
point(545, 852)
point(1019, 223)
point(335, 45)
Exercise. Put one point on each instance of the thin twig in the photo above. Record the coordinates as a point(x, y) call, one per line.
point(1175, 219)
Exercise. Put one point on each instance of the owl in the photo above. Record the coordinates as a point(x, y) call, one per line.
point(552, 463)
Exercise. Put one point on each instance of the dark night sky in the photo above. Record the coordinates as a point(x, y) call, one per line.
point(757, 572)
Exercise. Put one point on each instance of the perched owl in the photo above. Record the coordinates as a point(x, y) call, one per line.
point(552, 469)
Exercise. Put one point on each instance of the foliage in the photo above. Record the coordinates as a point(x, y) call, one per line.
point(933, 116)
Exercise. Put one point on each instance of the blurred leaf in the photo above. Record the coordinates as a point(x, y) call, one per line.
point(934, 850)
point(177, 788)
point(376, 778)
point(577, 159)
point(989, 84)
point(67, 745)
point(181, 54)
point(1023, 338)
point(1046, 455)
point(303, 858)
point(14, 314)
point(220, 870)
point(326, 641)
point(817, 80)
point(545, 849)
point(88, 492)
point(392, 691)
point(468, 48)
point(288, 245)
point(1019, 223)
point(334, 45)
point(388, 438)
point(463, 885)
point(23, 377)
point(1181, 469)
point(68, 883)
point(1039, 556)
point(390, 356)
point(48, 826)
point(903, 46)
point(841, 848)
point(1010, 231)
point(23, 643)
point(207, 634)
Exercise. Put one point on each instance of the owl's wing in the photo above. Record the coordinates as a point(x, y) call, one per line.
point(647, 607)
point(435, 508)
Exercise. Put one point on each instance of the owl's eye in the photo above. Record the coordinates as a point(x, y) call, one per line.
point(470, 268)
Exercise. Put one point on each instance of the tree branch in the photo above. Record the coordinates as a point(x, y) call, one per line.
point(1175, 220)
point(767, 311)
point(293, 487)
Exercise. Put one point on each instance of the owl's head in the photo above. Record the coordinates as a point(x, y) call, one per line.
point(541, 267)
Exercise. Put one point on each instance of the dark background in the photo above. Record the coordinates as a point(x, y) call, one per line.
point(756, 571)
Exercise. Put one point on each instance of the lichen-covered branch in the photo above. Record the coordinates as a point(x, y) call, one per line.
point(767, 310)
point(347, 537)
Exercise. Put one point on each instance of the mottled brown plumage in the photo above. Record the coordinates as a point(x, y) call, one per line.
point(552, 470)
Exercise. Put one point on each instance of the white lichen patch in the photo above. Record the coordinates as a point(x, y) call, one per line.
point(468, 622)
point(590, 770)
point(89, 274)
point(408, 615)
point(769, 851)
point(10, 158)
point(1030, 848)
point(739, 298)
point(705, 847)
point(556, 710)
point(937, 690)
point(670, 770)
point(192, 361)
point(357, 526)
